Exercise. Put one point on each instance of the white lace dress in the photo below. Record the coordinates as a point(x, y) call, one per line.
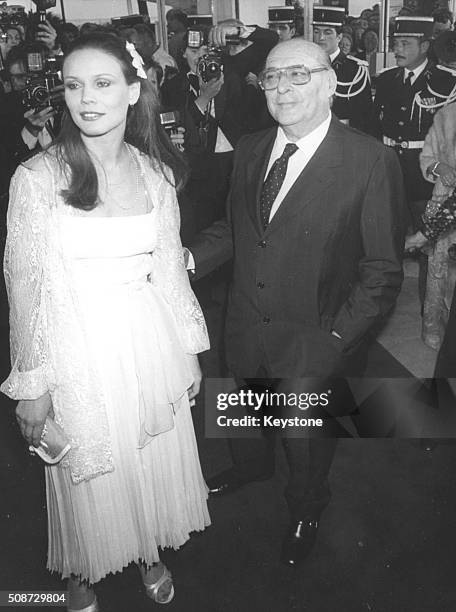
point(150, 492)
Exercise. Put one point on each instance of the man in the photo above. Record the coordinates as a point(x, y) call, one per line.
point(353, 98)
point(407, 97)
point(282, 20)
point(443, 21)
point(176, 23)
point(314, 224)
point(212, 113)
point(23, 131)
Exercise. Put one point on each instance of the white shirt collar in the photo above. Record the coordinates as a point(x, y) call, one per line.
point(416, 72)
point(332, 56)
point(306, 143)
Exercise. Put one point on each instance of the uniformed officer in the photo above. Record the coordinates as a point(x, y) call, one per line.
point(353, 99)
point(407, 97)
point(281, 19)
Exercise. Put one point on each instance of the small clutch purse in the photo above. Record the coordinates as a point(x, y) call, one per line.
point(54, 444)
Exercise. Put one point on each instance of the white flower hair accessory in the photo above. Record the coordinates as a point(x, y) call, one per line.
point(137, 60)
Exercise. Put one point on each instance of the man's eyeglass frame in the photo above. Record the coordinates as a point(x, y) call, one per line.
point(286, 71)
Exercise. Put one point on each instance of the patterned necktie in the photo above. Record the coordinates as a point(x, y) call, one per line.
point(408, 80)
point(273, 182)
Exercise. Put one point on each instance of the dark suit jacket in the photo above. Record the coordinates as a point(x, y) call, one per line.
point(358, 108)
point(329, 259)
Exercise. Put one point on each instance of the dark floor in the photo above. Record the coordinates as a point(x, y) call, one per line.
point(387, 541)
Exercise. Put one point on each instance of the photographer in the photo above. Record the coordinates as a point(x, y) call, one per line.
point(23, 130)
point(245, 50)
point(212, 112)
point(246, 47)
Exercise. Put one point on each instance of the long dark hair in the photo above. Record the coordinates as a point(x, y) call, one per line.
point(143, 130)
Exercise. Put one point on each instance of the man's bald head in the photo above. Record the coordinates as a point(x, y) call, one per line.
point(300, 108)
point(300, 46)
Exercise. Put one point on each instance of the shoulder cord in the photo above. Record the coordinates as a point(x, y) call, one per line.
point(417, 102)
point(361, 78)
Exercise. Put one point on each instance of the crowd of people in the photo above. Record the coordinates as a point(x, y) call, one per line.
point(287, 173)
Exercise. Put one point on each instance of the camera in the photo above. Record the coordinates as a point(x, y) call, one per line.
point(12, 16)
point(42, 6)
point(210, 66)
point(233, 39)
point(38, 93)
point(170, 120)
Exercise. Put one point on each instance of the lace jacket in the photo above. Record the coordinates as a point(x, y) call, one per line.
point(49, 347)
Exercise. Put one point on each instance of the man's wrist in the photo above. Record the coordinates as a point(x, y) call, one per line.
point(202, 103)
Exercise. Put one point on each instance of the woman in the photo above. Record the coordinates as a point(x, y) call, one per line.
point(438, 164)
point(105, 328)
point(346, 43)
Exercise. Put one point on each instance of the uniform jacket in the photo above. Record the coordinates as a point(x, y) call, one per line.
point(395, 113)
point(398, 116)
point(329, 259)
point(357, 108)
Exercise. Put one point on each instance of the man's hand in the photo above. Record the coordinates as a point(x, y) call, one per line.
point(47, 35)
point(37, 119)
point(209, 90)
point(252, 79)
point(218, 33)
point(177, 137)
point(31, 415)
point(194, 389)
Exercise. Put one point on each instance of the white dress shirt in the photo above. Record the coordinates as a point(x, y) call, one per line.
point(416, 73)
point(332, 56)
point(307, 147)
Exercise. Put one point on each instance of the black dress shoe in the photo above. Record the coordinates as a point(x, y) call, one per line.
point(228, 481)
point(299, 541)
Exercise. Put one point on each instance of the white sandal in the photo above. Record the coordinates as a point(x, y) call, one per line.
point(153, 589)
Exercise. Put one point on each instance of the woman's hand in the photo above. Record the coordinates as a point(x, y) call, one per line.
point(194, 389)
point(447, 174)
point(415, 242)
point(31, 415)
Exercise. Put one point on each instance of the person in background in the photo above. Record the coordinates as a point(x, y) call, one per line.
point(369, 43)
point(177, 23)
point(282, 21)
point(443, 21)
point(14, 38)
point(407, 97)
point(212, 113)
point(437, 234)
point(105, 328)
point(346, 43)
point(23, 130)
point(68, 33)
point(353, 98)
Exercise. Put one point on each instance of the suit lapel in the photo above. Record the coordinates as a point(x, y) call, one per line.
point(314, 179)
point(256, 167)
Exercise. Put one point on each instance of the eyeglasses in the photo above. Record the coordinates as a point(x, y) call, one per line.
point(297, 75)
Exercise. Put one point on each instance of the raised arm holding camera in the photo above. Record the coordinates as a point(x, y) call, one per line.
point(208, 96)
